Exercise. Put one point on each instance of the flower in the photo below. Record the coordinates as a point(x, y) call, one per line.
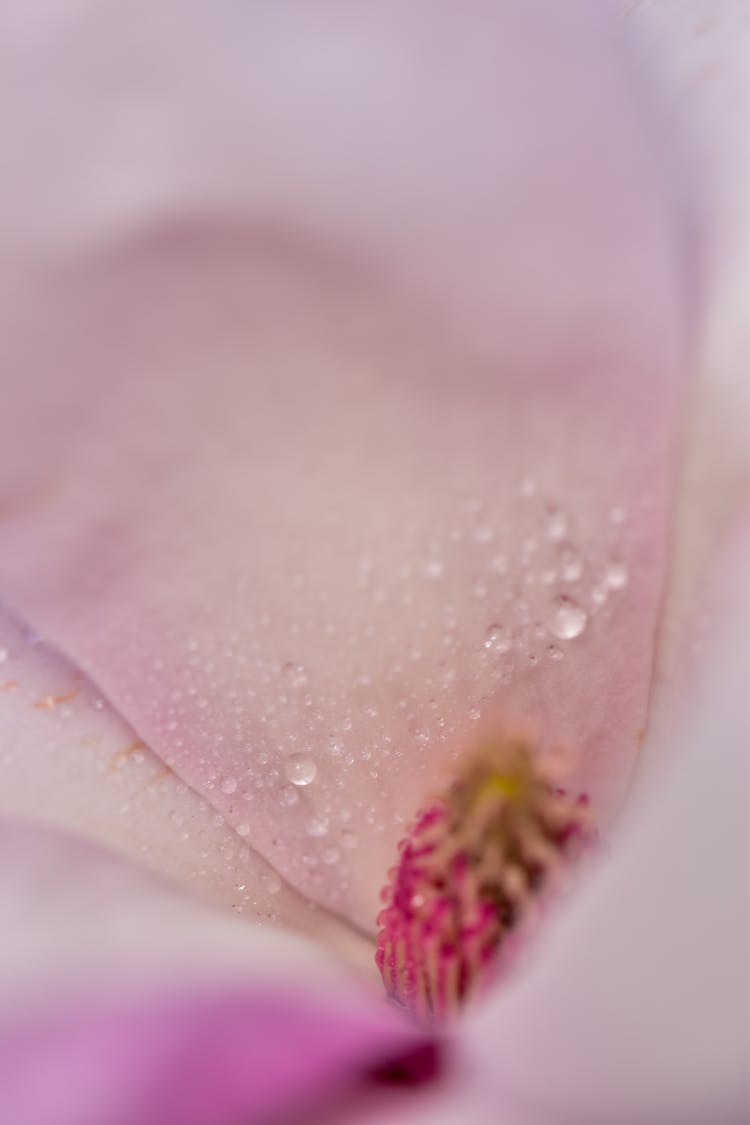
point(344, 376)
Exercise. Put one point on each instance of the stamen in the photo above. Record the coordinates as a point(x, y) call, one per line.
point(470, 870)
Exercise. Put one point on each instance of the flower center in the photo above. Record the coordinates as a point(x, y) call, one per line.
point(470, 869)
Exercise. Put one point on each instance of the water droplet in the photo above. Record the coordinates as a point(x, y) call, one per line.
point(554, 652)
point(616, 575)
point(300, 769)
point(271, 882)
point(527, 487)
point(497, 638)
point(295, 674)
point(557, 526)
point(568, 619)
point(571, 563)
point(617, 514)
point(4, 654)
point(433, 569)
point(243, 829)
point(317, 826)
point(484, 534)
point(289, 797)
point(349, 839)
point(331, 856)
point(229, 785)
point(499, 564)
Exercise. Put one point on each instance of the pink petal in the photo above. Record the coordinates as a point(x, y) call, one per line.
point(305, 314)
point(635, 1007)
point(69, 760)
point(124, 1001)
point(697, 54)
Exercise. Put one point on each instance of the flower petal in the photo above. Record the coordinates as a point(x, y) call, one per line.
point(341, 381)
point(125, 1001)
point(69, 760)
point(635, 1008)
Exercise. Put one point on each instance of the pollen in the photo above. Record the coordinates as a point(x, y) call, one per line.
point(471, 871)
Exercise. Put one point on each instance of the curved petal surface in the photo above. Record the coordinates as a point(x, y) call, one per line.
point(331, 426)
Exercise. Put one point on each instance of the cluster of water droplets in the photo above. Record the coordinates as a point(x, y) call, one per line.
point(433, 632)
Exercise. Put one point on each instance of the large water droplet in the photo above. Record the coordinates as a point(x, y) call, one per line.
point(568, 619)
point(300, 769)
point(497, 638)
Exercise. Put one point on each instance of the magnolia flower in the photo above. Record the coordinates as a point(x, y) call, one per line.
point(370, 378)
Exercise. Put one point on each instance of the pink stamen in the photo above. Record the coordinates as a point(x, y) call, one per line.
point(468, 871)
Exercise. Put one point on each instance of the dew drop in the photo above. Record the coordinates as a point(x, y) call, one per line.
point(295, 674)
point(484, 534)
point(433, 569)
point(317, 826)
point(331, 856)
point(499, 564)
point(497, 638)
point(4, 654)
point(527, 487)
point(271, 882)
point(289, 797)
point(229, 785)
point(616, 575)
point(571, 564)
point(300, 769)
point(243, 829)
point(554, 652)
point(557, 527)
point(568, 619)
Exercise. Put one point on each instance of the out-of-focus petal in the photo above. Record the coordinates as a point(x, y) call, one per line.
point(635, 1008)
point(697, 54)
point(341, 375)
point(123, 1001)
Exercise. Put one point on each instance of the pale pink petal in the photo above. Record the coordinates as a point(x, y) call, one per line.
point(635, 1007)
point(697, 54)
point(67, 759)
point(124, 1001)
point(346, 345)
